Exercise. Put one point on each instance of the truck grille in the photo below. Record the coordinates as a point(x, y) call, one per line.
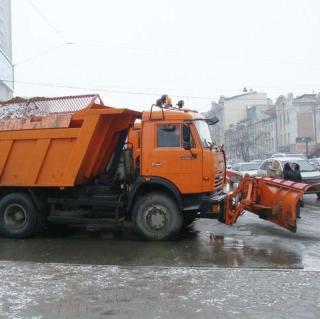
point(218, 181)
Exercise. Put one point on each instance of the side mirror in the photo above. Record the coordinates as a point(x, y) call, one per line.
point(214, 120)
point(186, 137)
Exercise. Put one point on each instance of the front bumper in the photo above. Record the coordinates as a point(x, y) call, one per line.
point(213, 206)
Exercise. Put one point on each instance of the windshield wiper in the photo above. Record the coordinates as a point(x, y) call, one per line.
point(209, 144)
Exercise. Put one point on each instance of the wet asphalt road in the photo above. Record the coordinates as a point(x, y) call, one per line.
point(247, 271)
point(251, 243)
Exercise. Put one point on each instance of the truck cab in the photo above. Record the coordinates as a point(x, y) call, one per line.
point(176, 146)
point(174, 155)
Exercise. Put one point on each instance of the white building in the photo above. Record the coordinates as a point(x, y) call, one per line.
point(6, 67)
point(298, 119)
point(232, 110)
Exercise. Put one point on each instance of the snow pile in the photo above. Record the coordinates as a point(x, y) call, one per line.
point(20, 111)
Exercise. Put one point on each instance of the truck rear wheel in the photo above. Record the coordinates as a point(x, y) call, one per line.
point(157, 217)
point(18, 216)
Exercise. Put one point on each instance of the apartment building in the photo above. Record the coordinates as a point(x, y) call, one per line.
point(232, 110)
point(6, 66)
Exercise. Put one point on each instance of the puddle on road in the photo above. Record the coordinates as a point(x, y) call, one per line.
point(232, 252)
point(197, 248)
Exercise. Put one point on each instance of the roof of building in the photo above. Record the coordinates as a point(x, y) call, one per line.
point(239, 95)
point(271, 112)
point(306, 97)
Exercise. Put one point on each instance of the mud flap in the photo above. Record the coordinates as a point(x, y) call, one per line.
point(275, 200)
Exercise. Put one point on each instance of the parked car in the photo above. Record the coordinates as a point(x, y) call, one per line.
point(315, 162)
point(309, 174)
point(238, 170)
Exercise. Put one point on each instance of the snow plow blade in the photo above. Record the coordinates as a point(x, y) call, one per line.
point(275, 200)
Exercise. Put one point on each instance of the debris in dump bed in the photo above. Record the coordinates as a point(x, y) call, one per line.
point(21, 108)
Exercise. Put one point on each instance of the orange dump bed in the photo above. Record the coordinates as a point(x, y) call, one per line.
point(60, 150)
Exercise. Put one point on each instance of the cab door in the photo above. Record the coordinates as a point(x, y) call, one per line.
point(172, 162)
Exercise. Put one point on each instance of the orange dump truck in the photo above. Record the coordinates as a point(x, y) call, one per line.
point(82, 162)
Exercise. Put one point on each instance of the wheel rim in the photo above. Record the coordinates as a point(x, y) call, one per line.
point(15, 216)
point(156, 217)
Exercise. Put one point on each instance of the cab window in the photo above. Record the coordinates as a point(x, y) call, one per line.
point(168, 135)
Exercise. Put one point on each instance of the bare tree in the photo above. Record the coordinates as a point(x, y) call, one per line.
point(245, 142)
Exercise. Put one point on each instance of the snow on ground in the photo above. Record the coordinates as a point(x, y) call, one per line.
point(32, 290)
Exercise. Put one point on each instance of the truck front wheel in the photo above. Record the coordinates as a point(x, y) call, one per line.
point(157, 217)
point(18, 216)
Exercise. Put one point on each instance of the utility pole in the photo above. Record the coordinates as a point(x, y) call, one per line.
point(315, 123)
point(306, 140)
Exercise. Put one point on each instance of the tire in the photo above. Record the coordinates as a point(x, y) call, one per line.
point(19, 217)
point(157, 217)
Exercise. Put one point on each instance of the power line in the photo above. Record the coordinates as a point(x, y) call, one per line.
point(105, 90)
point(58, 32)
point(113, 91)
point(194, 52)
point(198, 53)
point(46, 20)
point(37, 55)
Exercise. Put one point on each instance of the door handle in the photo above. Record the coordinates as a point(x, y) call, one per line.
point(189, 157)
point(157, 164)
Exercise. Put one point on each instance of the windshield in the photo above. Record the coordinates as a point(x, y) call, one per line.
point(305, 166)
point(249, 166)
point(204, 133)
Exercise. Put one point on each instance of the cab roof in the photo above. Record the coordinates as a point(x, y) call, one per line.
point(171, 114)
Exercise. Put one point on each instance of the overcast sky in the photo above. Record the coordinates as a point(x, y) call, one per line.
point(190, 48)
